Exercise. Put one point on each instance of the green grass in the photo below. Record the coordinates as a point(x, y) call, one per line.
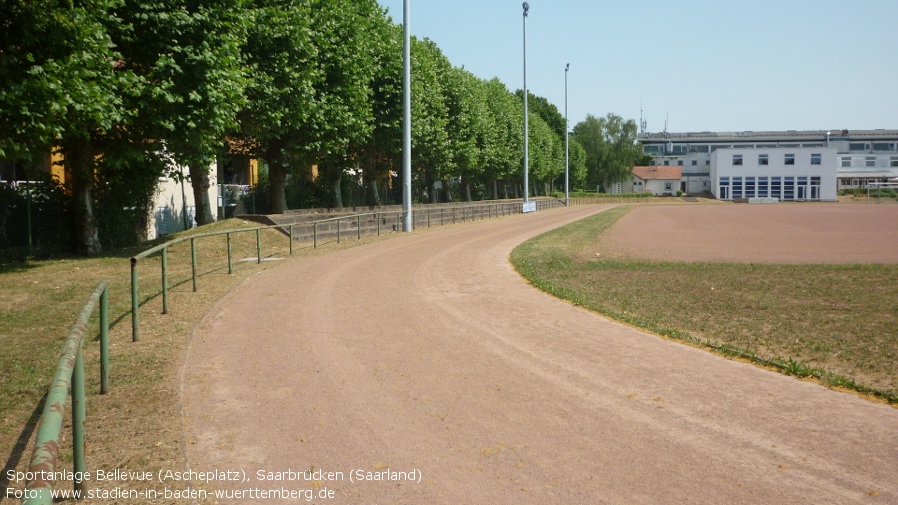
point(836, 323)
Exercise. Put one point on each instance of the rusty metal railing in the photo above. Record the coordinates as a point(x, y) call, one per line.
point(69, 373)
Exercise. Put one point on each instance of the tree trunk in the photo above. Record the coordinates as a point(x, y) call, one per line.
point(372, 197)
point(78, 154)
point(495, 189)
point(466, 188)
point(447, 190)
point(431, 189)
point(277, 179)
point(199, 180)
point(337, 190)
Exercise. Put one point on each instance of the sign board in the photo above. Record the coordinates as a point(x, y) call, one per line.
point(529, 207)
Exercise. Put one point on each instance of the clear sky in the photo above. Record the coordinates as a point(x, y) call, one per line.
point(715, 65)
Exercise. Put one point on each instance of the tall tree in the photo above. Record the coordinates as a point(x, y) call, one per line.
point(430, 115)
point(187, 54)
point(611, 148)
point(58, 85)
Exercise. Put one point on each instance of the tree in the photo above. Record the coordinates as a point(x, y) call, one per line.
point(187, 55)
point(430, 115)
point(59, 85)
point(611, 148)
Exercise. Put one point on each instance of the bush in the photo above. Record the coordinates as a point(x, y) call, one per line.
point(679, 192)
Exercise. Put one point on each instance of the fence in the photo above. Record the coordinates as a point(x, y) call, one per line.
point(69, 373)
point(374, 222)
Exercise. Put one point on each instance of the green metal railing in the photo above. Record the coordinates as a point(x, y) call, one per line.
point(486, 210)
point(163, 249)
point(69, 373)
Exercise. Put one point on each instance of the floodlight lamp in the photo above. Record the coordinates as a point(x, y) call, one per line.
point(568, 67)
point(526, 8)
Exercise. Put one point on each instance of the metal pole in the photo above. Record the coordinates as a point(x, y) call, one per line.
point(291, 239)
point(193, 261)
point(165, 280)
point(78, 414)
point(358, 226)
point(407, 119)
point(134, 307)
point(567, 158)
point(315, 235)
point(258, 245)
point(526, 128)
point(104, 341)
point(230, 262)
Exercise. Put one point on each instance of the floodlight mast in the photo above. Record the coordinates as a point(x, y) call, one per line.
point(526, 128)
point(406, 122)
point(567, 164)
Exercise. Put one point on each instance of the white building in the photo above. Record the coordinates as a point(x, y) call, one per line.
point(657, 180)
point(862, 156)
point(785, 174)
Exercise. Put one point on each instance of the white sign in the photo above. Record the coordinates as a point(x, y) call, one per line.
point(529, 207)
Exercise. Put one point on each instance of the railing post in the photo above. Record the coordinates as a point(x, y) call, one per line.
point(291, 239)
point(134, 308)
point(193, 261)
point(338, 230)
point(165, 280)
point(230, 263)
point(78, 415)
point(398, 222)
point(104, 341)
point(258, 245)
point(358, 226)
point(377, 218)
point(315, 235)
point(428, 218)
point(442, 221)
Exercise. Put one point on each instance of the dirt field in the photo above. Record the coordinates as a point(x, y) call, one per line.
point(427, 354)
point(759, 233)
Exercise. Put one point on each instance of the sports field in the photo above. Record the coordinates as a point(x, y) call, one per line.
point(799, 233)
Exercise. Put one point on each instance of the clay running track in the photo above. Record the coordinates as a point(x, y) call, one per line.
point(424, 370)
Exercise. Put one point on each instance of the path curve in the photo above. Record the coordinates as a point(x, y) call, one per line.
point(428, 352)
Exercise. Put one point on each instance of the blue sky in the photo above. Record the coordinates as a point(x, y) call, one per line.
point(706, 65)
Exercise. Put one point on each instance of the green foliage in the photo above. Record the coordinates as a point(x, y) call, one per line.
point(611, 148)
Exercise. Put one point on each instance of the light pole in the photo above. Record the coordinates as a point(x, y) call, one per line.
point(526, 130)
point(406, 122)
point(567, 160)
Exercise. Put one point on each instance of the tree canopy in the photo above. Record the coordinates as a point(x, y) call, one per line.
point(125, 86)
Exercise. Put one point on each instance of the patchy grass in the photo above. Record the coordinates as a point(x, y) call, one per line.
point(137, 426)
point(833, 322)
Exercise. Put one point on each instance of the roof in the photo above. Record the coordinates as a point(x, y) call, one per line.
point(658, 172)
point(767, 136)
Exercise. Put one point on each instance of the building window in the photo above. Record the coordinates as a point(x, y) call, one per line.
point(762, 159)
point(857, 146)
point(668, 186)
point(707, 162)
point(883, 146)
point(737, 159)
point(680, 162)
point(893, 161)
point(666, 162)
point(790, 159)
point(846, 162)
point(815, 159)
point(694, 162)
point(871, 161)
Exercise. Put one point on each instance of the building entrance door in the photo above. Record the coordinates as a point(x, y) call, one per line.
point(802, 193)
point(724, 192)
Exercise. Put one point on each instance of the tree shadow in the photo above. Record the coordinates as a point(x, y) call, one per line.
point(15, 456)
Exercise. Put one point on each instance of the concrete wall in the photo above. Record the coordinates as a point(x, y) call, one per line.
point(171, 203)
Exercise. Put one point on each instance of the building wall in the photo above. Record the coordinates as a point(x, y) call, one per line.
point(749, 177)
point(174, 199)
point(859, 151)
